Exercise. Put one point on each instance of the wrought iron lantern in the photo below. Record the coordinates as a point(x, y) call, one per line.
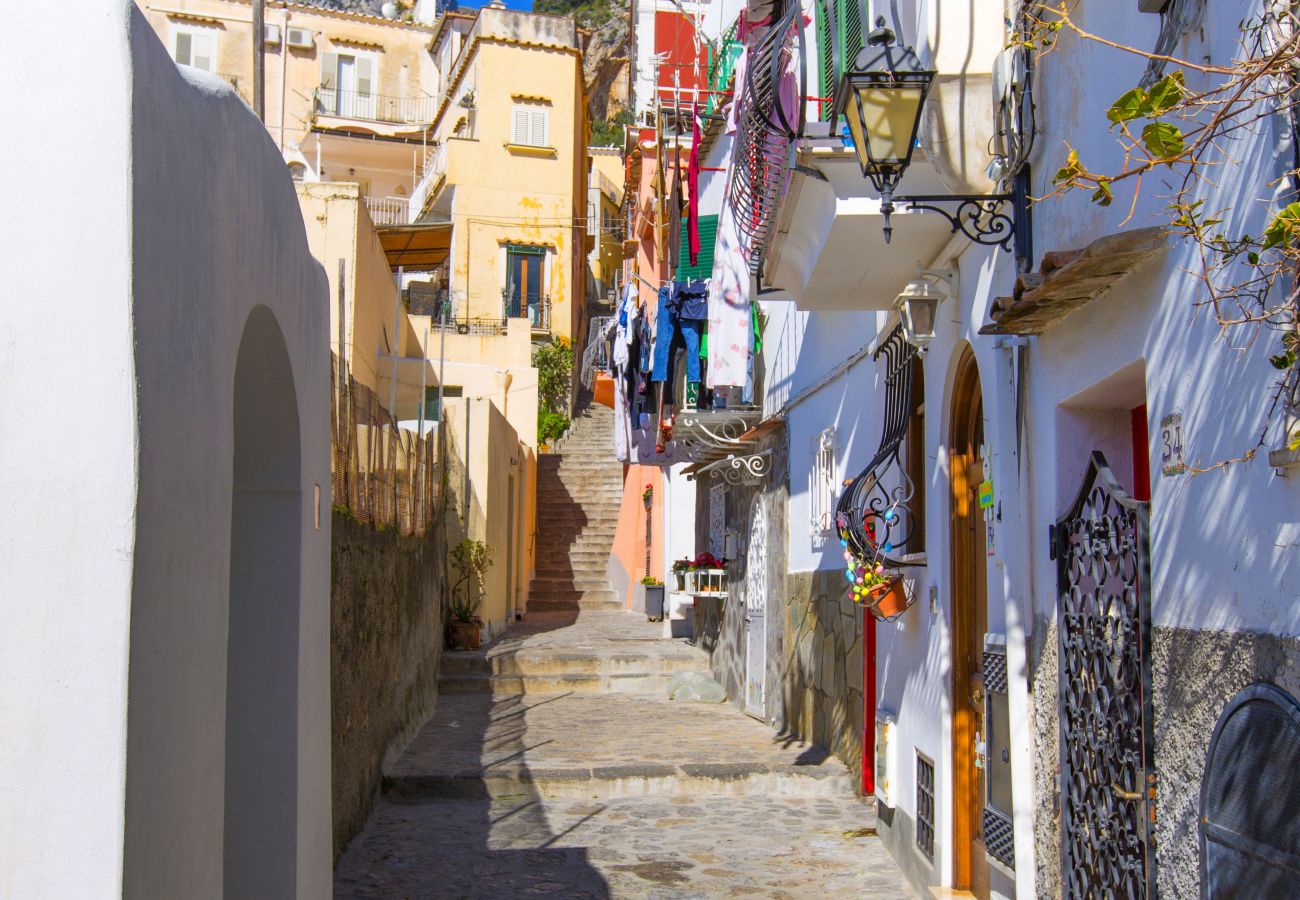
point(882, 98)
point(917, 307)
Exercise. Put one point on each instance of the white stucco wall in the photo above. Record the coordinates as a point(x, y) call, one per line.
point(178, 226)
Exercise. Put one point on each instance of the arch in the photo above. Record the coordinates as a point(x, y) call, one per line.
point(1250, 811)
point(261, 736)
point(969, 593)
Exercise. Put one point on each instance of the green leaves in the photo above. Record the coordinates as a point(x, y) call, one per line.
point(1072, 169)
point(1103, 196)
point(1165, 94)
point(1163, 140)
point(1284, 228)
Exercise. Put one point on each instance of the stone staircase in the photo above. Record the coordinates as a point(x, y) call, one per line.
point(579, 490)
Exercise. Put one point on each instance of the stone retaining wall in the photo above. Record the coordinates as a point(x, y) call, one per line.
point(386, 640)
point(822, 665)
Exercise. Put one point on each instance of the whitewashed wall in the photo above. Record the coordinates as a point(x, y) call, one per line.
point(180, 227)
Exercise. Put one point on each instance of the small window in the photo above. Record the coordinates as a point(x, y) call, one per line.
point(530, 126)
point(297, 171)
point(430, 411)
point(822, 487)
point(925, 806)
point(194, 47)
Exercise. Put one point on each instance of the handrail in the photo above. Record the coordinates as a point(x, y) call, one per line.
point(372, 107)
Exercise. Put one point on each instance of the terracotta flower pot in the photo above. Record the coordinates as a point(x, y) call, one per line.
point(464, 635)
point(887, 600)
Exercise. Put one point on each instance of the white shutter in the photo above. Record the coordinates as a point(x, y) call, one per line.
point(329, 68)
point(365, 75)
point(519, 126)
point(538, 134)
point(203, 46)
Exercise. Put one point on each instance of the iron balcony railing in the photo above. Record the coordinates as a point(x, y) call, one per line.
point(537, 311)
point(389, 210)
point(596, 357)
point(722, 65)
point(425, 301)
point(374, 107)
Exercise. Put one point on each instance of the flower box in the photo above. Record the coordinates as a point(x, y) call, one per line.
point(712, 582)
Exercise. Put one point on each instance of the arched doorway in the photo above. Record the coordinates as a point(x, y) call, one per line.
point(261, 768)
point(969, 580)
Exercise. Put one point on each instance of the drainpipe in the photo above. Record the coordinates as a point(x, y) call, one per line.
point(1015, 557)
point(284, 70)
point(397, 350)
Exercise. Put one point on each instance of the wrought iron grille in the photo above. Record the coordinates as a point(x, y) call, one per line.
point(765, 130)
point(925, 806)
point(1250, 807)
point(1108, 781)
point(872, 515)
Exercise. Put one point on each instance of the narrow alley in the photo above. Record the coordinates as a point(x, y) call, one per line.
point(555, 763)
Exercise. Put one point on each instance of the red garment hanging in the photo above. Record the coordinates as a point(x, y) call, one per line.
point(693, 186)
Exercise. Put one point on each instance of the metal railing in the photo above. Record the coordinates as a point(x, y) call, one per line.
point(537, 311)
point(374, 107)
point(596, 357)
point(389, 210)
point(722, 66)
point(435, 164)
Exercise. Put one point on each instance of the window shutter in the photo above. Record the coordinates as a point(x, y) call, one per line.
point(704, 266)
point(850, 32)
point(183, 48)
point(202, 44)
point(329, 69)
point(365, 75)
point(538, 137)
point(519, 126)
point(827, 76)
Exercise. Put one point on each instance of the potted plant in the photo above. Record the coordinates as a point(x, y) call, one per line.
point(648, 496)
point(877, 588)
point(680, 568)
point(470, 559)
point(654, 598)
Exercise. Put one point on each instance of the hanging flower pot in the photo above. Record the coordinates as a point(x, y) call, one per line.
point(888, 600)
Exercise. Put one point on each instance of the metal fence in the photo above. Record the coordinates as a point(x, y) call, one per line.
point(374, 107)
point(389, 210)
point(383, 475)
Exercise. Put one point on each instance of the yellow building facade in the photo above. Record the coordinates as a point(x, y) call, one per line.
point(605, 225)
point(508, 169)
point(348, 97)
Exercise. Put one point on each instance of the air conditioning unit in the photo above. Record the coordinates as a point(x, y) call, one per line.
point(270, 34)
point(886, 756)
point(302, 38)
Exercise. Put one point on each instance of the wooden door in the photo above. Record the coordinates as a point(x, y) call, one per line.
point(969, 623)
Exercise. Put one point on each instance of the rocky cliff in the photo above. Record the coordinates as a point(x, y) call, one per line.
point(605, 58)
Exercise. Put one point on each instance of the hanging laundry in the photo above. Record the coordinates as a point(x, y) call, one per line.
point(729, 305)
point(693, 189)
point(674, 222)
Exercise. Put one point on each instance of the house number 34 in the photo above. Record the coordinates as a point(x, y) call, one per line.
point(1171, 445)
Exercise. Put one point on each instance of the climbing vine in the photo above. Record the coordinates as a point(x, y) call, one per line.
point(1190, 118)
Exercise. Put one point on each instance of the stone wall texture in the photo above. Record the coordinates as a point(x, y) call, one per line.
point(1043, 692)
point(822, 665)
point(386, 640)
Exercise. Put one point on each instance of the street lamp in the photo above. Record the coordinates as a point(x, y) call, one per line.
point(881, 98)
point(917, 307)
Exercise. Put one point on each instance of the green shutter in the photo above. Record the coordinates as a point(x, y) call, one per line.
point(850, 31)
point(827, 76)
point(708, 237)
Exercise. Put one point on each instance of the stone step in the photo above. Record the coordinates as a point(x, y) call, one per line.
point(552, 604)
point(564, 583)
point(634, 779)
point(571, 595)
point(536, 664)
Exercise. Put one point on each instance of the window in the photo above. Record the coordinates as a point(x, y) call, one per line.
point(297, 171)
point(525, 271)
point(194, 46)
point(347, 85)
point(429, 410)
point(925, 806)
point(915, 459)
point(530, 126)
point(822, 487)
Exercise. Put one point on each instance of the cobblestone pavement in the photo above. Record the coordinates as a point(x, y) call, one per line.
point(611, 795)
point(666, 849)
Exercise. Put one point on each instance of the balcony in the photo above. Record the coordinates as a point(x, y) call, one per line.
point(369, 107)
point(722, 67)
point(389, 210)
point(537, 311)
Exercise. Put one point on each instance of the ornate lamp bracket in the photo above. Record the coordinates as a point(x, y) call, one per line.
point(750, 468)
point(981, 218)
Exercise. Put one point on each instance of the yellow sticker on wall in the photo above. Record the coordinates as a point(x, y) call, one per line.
point(986, 494)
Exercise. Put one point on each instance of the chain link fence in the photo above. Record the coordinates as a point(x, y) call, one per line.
point(383, 475)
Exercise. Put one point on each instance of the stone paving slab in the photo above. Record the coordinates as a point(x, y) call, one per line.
point(671, 848)
point(560, 738)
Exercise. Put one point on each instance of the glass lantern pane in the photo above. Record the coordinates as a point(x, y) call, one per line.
point(890, 114)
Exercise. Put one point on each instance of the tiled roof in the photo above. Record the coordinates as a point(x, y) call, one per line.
point(359, 7)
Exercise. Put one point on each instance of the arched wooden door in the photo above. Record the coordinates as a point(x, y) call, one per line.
point(969, 623)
